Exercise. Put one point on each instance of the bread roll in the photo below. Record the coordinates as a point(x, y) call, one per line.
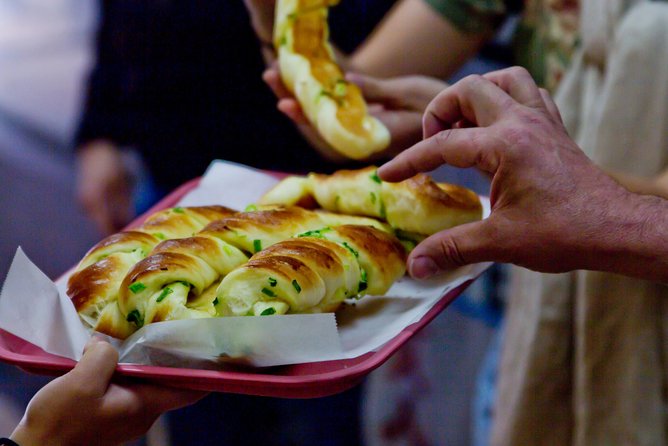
point(308, 68)
point(94, 285)
point(150, 291)
point(417, 207)
point(314, 272)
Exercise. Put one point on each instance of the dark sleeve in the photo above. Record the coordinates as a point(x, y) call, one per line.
point(110, 110)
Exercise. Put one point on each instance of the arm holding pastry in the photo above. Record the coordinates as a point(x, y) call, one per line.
point(553, 210)
point(429, 44)
point(86, 407)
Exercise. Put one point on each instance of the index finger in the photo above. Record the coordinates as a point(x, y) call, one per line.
point(474, 99)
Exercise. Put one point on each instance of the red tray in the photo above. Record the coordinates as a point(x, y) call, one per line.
point(308, 380)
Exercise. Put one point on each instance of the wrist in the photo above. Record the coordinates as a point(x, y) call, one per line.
point(24, 436)
point(633, 238)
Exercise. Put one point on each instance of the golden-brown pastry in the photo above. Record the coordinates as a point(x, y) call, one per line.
point(335, 107)
point(332, 256)
point(171, 282)
point(94, 285)
point(417, 206)
point(314, 272)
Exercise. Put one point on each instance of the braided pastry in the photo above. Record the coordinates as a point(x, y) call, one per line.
point(308, 68)
point(94, 285)
point(417, 206)
point(313, 273)
point(179, 278)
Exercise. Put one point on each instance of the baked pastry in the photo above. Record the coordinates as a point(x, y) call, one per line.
point(308, 68)
point(178, 280)
point(94, 285)
point(417, 206)
point(314, 272)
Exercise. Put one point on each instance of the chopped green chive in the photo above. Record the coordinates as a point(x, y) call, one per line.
point(373, 197)
point(268, 311)
point(383, 212)
point(351, 249)
point(184, 283)
point(296, 285)
point(137, 287)
point(374, 176)
point(178, 210)
point(283, 40)
point(250, 208)
point(257, 245)
point(215, 302)
point(165, 292)
point(268, 292)
point(135, 317)
point(341, 88)
point(272, 282)
point(317, 233)
point(363, 281)
point(159, 235)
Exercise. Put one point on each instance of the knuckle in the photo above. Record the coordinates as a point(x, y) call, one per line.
point(451, 251)
point(443, 136)
point(472, 80)
point(518, 72)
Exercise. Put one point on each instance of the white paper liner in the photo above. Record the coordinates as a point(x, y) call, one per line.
point(35, 309)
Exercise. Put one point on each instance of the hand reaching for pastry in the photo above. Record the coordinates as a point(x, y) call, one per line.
point(552, 210)
point(84, 407)
point(398, 103)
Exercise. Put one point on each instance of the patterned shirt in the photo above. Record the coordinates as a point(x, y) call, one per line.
point(545, 38)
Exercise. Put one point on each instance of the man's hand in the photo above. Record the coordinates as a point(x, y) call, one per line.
point(104, 186)
point(84, 408)
point(553, 210)
point(398, 103)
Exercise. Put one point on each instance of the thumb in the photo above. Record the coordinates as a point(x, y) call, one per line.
point(96, 366)
point(451, 248)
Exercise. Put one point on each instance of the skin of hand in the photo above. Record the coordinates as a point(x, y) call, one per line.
point(83, 407)
point(552, 209)
point(104, 186)
point(398, 103)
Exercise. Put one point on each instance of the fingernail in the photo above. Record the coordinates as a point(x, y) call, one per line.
point(422, 267)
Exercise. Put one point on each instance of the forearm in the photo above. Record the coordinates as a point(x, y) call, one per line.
point(414, 39)
point(632, 239)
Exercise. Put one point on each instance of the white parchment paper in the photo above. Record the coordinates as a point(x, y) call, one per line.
point(38, 310)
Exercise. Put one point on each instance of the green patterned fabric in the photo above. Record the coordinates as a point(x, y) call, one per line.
point(471, 16)
point(545, 38)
